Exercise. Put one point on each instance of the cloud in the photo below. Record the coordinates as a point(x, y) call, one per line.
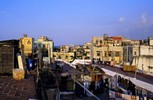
point(121, 19)
point(146, 19)
point(143, 18)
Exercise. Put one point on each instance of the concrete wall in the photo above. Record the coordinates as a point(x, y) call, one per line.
point(28, 45)
point(142, 63)
point(151, 42)
point(104, 53)
point(146, 50)
point(64, 56)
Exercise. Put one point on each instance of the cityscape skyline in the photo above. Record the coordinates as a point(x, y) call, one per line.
point(76, 22)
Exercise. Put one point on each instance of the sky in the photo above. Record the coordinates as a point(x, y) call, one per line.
point(75, 21)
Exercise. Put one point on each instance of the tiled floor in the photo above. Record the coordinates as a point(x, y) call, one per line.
point(11, 89)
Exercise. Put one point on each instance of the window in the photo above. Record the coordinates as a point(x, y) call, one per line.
point(117, 54)
point(96, 41)
point(59, 57)
point(110, 53)
point(66, 57)
point(98, 53)
point(100, 42)
point(105, 54)
point(28, 42)
point(135, 53)
point(87, 47)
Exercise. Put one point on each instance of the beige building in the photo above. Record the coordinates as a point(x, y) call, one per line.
point(65, 48)
point(97, 41)
point(66, 56)
point(108, 53)
point(65, 53)
point(107, 48)
point(71, 52)
point(135, 42)
point(87, 50)
point(27, 45)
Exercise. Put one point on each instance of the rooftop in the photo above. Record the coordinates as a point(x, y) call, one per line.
point(17, 89)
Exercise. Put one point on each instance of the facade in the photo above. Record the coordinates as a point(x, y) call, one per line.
point(65, 53)
point(65, 48)
point(8, 58)
point(151, 42)
point(127, 87)
point(90, 73)
point(87, 50)
point(66, 56)
point(27, 45)
point(144, 60)
point(135, 42)
point(140, 55)
point(97, 41)
point(107, 48)
point(46, 46)
point(129, 52)
point(72, 52)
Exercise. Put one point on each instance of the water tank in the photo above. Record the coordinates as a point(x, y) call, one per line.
point(29, 64)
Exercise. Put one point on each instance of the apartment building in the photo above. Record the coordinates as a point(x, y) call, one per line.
point(72, 52)
point(140, 55)
point(66, 56)
point(87, 50)
point(107, 48)
point(65, 53)
point(26, 44)
point(65, 48)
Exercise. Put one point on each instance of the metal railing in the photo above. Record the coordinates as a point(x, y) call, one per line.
point(85, 89)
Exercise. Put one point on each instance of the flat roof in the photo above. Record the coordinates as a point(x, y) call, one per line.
point(137, 82)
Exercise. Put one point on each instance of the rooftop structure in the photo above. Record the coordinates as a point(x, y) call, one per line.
point(27, 45)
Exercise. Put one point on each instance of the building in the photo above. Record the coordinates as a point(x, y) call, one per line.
point(66, 53)
point(46, 45)
point(65, 48)
point(135, 42)
point(8, 58)
point(66, 56)
point(127, 86)
point(107, 48)
point(97, 41)
point(130, 49)
point(140, 55)
point(129, 52)
point(26, 44)
point(71, 52)
point(144, 59)
point(87, 50)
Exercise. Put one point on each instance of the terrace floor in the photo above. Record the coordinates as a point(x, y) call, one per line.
point(11, 89)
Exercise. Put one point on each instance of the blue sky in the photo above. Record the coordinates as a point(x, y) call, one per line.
point(75, 21)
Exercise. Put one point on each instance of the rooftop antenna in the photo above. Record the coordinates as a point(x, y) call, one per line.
point(24, 35)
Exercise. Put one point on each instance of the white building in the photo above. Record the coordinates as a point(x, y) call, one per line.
point(144, 61)
point(46, 46)
point(140, 55)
